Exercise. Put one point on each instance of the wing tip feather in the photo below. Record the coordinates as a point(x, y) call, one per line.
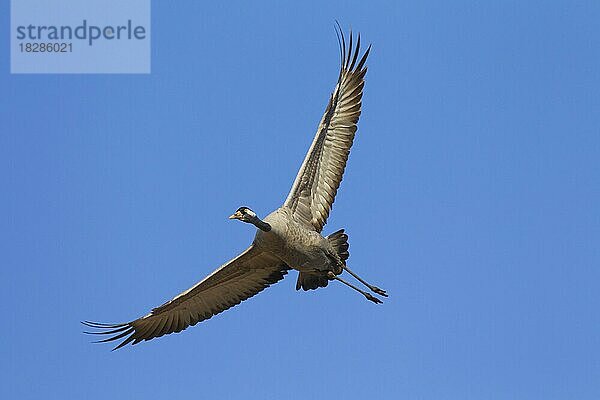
point(114, 331)
point(350, 54)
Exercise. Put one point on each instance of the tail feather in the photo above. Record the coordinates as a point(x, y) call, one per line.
point(339, 241)
point(310, 281)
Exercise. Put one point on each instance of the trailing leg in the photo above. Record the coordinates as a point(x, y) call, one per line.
point(373, 288)
point(366, 294)
point(339, 242)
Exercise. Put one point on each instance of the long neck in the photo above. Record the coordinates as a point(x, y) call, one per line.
point(262, 225)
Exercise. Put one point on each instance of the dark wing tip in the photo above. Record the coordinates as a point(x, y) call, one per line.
point(362, 61)
point(349, 54)
point(114, 331)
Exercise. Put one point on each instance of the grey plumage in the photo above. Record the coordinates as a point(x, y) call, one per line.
point(308, 281)
point(288, 238)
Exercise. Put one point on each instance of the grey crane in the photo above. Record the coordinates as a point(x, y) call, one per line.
point(288, 238)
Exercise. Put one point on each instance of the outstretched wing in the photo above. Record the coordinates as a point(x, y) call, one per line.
point(241, 278)
point(319, 178)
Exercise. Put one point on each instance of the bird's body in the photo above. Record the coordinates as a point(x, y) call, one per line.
point(288, 238)
point(298, 246)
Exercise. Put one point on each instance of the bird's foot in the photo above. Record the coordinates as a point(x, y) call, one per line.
point(380, 292)
point(373, 298)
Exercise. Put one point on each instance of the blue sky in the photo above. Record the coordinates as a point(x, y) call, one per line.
point(472, 195)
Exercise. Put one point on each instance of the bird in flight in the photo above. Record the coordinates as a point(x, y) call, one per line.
point(288, 238)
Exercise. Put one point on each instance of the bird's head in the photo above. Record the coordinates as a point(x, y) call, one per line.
point(245, 214)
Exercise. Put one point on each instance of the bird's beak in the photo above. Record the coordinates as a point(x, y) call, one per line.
point(237, 215)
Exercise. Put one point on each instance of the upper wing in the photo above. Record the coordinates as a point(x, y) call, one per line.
point(241, 278)
point(320, 175)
